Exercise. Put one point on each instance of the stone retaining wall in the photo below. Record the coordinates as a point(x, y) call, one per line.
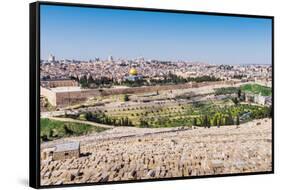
point(69, 98)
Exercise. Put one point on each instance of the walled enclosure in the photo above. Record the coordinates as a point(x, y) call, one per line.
point(72, 97)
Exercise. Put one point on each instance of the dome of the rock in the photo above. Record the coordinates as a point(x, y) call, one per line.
point(133, 71)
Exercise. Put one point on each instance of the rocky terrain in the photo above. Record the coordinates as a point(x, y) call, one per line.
point(127, 153)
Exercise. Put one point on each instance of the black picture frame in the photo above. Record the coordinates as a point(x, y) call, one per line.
point(34, 91)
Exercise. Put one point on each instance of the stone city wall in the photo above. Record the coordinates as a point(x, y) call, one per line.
point(69, 98)
point(60, 83)
point(49, 94)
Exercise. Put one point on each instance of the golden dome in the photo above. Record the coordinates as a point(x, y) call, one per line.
point(133, 71)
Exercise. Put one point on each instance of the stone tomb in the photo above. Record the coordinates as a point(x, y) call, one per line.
point(66, 151)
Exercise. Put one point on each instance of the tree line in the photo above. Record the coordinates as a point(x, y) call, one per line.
point(90, 82)
point(105, 119)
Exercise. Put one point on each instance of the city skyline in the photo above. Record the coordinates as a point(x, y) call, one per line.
point(155, 35)
point(93, 59)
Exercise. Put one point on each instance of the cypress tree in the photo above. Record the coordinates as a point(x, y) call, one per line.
point(237, 120)
point(205, 122)
point(194, 121)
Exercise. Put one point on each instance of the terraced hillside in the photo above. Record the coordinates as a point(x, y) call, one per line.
point(209, 112)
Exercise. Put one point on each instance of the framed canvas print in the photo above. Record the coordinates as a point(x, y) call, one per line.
point(120, 94)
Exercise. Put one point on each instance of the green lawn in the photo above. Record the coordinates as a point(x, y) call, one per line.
point(257, 89)
point(51, 129)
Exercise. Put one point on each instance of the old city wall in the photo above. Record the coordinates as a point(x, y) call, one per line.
point(60, 83)
point(50, 95)
point(70, 98)
point(148, 89)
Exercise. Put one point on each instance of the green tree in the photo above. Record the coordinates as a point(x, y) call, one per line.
point(90, 80)
point(126, 97)
point(88, 116)
point(237, 120)
point(51, 134)
point(235, 101)
point(220, 122)
point(215, 121)
point(239, 93)
point(143, 123)
point(84, 82)
point(208, 122)
point(229, 119)
point(44, 138)
point(68, 131)
point(205, 121)
point(194, 123)
point(243, 97)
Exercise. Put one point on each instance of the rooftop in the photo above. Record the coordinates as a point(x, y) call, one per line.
point(60, 79)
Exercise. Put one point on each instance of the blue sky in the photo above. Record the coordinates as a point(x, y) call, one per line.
point(85, 33)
